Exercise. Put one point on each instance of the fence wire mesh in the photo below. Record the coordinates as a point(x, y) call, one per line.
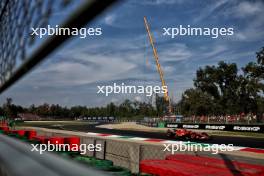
point(16, 21)
point(18, 17)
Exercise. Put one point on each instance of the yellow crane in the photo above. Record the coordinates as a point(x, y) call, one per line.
point(166, 94)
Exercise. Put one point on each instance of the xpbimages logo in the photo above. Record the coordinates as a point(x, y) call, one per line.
point(198, 147)
point(82, 148)
point(197, 31)
point(83, 32)
point(129, 89)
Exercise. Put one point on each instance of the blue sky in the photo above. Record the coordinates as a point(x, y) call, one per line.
point(70, 75)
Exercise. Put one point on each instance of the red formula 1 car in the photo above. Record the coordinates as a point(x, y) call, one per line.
point(187, 134)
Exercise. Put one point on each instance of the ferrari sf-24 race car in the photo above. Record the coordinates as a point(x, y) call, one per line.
point(187, 134)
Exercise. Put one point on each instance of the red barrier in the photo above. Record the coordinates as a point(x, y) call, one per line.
point(4, 128)
point(73, 142)
point(51, 140)
point(218, 163)
point(41, 139)
point(55, 140)
point(30, 134)
point(19, 132)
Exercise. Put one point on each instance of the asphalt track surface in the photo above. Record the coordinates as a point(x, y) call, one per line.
point(236, 141)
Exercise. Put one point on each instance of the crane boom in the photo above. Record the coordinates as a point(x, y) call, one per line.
point(166, 94)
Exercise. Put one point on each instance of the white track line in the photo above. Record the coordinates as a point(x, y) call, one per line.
point(90, 133)
point(139, 138)
point(114, 136)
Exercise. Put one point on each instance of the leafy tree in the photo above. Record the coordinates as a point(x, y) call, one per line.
point(226, 90)
point(260, 57)
point(196, 101)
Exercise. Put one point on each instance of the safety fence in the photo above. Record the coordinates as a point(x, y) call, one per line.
point(21, 49)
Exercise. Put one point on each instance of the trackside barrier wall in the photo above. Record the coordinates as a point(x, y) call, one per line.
point(124, 153)
point(220, 127)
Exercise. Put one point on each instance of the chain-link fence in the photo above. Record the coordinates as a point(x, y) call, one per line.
point(20, 49)
point(17, 20)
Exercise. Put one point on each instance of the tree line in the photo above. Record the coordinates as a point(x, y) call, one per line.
point(127, 109)
point(221, 89)
point(226, 90)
